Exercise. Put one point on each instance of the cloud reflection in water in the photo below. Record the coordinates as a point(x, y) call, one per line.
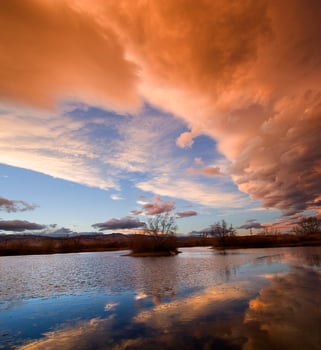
point(182, 324)
point(277, 310)
point(287, 314)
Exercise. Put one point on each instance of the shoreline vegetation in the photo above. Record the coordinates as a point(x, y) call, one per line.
point(142, 245)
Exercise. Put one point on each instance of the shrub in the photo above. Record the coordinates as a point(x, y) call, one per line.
point(308, 226)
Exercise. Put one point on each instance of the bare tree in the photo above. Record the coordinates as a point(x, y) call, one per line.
point(162, 228)
point(269, 231)
point(161, 225)
point(221, 230)
point(159, 235)
point(308, 226)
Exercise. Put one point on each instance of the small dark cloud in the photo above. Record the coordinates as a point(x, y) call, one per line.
point(19, 226)
point(186, 214)
point(118, 224)
point(158, 206)
point(206, 171)
point(14, 206)
point(136, 212)
point(251, 223)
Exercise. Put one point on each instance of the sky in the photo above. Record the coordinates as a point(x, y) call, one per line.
point(114, 111)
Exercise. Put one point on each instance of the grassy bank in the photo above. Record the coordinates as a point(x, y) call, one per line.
point(31, 244)
point(141, 245)
point(261, 241)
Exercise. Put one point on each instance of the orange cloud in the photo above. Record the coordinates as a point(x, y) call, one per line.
point(206, 171)
point(51, 52)
point(203, 45)
point(245, 73)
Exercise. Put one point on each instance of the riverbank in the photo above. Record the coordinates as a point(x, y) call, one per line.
point(31, 244)
point(266, 241)
point(153, 254)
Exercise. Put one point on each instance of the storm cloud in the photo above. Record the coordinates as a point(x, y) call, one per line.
point(247, 74)
point(253, 70)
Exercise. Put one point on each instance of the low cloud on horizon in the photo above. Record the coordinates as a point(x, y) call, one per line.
point(125, 223)
point(19, 226)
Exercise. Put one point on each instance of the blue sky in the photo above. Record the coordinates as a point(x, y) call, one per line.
point(133, 158)
point(116, 111)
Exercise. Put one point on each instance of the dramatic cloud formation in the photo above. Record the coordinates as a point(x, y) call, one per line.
point(119, 224)
point(14, 206)
point(19, 225)
point(186, 214)
point(253, 69)
point(247, 74)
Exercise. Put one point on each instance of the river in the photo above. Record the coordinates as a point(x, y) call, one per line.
point(199, 299)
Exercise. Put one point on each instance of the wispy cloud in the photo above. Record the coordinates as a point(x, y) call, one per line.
point(9, 205)
point(195, 192)
point(31, 141)
point(116, 197)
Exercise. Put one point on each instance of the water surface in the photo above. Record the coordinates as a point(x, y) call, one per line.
point(200, 299)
